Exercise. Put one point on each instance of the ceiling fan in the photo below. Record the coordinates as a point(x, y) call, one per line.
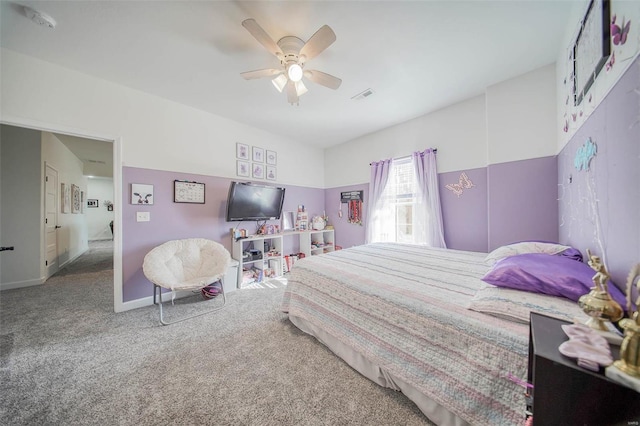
point(293, 54)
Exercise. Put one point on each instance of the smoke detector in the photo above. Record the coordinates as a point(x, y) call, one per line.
point(39, 17)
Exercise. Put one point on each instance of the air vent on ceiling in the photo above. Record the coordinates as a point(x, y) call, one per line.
point(363, 95)
point(96, 161)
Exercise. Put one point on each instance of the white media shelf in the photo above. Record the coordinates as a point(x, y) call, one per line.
point(269, 250)
point(317, 242)
point(269, 247)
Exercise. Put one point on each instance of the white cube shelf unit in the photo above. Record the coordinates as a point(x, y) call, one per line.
point(260, 254)
point(317, 242)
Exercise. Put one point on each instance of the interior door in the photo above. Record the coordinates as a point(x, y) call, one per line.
point(51, 220)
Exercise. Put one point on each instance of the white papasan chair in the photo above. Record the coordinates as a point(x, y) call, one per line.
point(187, 264)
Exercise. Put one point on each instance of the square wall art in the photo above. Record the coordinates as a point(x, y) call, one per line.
point(141, 194)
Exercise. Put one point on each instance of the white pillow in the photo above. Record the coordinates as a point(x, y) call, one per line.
point(523, 248)
point(516, 305)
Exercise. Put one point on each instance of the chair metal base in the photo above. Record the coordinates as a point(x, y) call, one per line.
point(163, 322)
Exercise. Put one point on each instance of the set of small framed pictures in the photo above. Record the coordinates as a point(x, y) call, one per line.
point(256, 162)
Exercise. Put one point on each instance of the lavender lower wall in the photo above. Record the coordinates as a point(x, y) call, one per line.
point(465, 216)
point(519, 202)
point(346, 234)
point(600, 208)
point(522, 201)
point(170, 221)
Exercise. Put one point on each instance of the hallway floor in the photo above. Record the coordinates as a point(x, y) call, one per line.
point(99, 257)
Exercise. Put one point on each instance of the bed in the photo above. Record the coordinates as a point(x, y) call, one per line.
point(399, 314)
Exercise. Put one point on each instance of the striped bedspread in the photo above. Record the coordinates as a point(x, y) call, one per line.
point(403, 307)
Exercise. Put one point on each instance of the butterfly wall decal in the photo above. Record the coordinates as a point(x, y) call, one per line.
point(611, 61)
point(619, 32)
point(463, 183)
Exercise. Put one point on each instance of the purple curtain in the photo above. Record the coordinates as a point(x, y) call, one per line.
point(378, 181)
point(428, 228)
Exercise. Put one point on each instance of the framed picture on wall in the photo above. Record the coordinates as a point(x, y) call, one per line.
point(141, 194)
point(592, 48)
point(258, 155)
point(257, 171)
point(65, 194)
point(243, 168)
point(271, 173)
point(75, 199)
point(272, 157)
point(242, 151)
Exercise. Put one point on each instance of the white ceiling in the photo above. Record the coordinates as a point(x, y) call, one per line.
point(417, 56)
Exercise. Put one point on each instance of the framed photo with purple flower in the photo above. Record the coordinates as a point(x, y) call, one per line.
point(271, 173)
point(242, 151)
point(242, 168)
point(257, 171)
point(272, 157)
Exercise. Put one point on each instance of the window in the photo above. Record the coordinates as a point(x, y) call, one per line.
point(398, 203)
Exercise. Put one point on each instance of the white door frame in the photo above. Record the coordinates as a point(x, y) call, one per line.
point(118, 305)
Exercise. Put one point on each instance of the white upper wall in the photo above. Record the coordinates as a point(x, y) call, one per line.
point(521, 117)
point(458, 131)
point(98, 218)
point(514, 120)
point(155, 133)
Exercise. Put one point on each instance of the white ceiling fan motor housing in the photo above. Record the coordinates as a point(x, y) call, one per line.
point(290, 46)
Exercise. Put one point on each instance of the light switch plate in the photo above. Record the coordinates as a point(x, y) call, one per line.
point(143, 216)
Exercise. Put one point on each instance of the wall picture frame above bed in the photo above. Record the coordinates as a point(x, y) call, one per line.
point(592, 48)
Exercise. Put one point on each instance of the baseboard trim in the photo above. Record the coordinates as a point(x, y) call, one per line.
point(21, 284)
point(148, 301)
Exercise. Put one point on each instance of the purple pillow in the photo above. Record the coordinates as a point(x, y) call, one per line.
point(571, 253)
point(547, 274)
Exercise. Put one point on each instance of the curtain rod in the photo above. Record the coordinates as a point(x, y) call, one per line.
point(435, 150)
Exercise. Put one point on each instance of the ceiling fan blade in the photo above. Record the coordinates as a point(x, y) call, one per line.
point(322, 39)
point(292, 95)
point(250, 75)
point(261, 35)
point(323, 79)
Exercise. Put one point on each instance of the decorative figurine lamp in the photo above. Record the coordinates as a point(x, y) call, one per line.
point(598, 304)
point(629, 361)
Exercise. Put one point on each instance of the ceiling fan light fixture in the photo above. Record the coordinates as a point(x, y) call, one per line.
point(280, 82)
point(294, 72)
point(301, 89)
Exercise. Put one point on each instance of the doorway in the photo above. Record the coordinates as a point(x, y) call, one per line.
point(58, 247)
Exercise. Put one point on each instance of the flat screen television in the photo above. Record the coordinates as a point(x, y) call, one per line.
point(252, 201)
